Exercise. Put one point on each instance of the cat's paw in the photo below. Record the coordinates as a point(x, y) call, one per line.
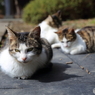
point(66, 51)
point(56, 45)
point(53, 46)
point(73, 52)
point(22, 77)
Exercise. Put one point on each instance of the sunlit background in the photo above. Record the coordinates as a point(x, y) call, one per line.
point(75, 13)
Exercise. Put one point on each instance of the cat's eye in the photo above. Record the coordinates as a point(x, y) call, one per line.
point(30, 49)
point(62, 41)
point(10, 49)
point(37, 48)
point(17, 50)
point(68, 41)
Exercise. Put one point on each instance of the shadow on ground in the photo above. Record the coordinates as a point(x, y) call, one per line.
point(55, 74)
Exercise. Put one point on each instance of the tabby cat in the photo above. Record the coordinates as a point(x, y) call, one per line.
point(50, 25)
point(25, 53)
point(72, 42)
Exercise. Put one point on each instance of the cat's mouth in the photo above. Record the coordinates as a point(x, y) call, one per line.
point(66, 46)
point(23, 62)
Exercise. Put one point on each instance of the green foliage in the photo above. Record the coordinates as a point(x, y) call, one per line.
point(38, 10)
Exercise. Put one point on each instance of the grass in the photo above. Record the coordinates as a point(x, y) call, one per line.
point(79, 23)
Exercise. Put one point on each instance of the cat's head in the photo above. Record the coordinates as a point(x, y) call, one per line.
point(66, 36)
point(55, 20)
point(24, 46)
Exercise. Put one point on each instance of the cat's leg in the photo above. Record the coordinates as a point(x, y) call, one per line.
point(56, 45)
point(22, 77)
point(66, 51)
point(74, 52)
point(78, 50)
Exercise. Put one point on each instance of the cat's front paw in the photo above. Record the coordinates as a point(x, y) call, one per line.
point(73, 52)
point(22, 77)
point(66, 51)
point(53, 46)
point(56, 45)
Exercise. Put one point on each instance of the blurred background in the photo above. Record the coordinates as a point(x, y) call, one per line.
point(72, 9)
point(77, 13)
point(12, 8)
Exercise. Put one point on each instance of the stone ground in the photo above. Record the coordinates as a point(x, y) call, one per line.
point(70, 75)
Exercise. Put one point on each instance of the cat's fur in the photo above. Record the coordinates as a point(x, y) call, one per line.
point(88, 35)
point(70, 42)
point(50, 25)
point(25, 54)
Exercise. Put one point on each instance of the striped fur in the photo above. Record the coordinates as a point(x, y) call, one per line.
point(88, 35)
point(69, 34)
point(73, 42)
point(70, 42)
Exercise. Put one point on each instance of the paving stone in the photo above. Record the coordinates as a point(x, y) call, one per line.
point(85, 60)
point(63, 79)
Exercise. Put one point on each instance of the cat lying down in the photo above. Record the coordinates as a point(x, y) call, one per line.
point(81, 41)
point(25, 53)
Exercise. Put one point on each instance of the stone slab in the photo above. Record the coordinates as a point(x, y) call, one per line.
point(63, 79)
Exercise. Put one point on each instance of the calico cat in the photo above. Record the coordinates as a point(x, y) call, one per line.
point(50, 25)
point(88, 35)
point(25, 53)
point(71, 42)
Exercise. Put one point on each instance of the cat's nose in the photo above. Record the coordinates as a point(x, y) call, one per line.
point(66, 45)
point(24, 58)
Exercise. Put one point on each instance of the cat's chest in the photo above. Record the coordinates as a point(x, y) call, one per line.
point(9, 61)
point(46, 29)
point(11, 65)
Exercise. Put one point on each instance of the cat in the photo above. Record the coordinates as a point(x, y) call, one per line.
point(71, 42)
point(25, 53)
point(50, 25)
point(88, 35)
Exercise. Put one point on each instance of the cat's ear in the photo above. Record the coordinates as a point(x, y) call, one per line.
point(58, 13)
point(35, 32)
point(71, 31)
point(11, 33)
point(50, 18)
point(58, 32)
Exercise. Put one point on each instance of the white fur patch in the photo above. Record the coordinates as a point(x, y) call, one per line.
point(75, 47)
point(14, 68)
point(48, 32)
point(66, 43)
point(77, 30)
